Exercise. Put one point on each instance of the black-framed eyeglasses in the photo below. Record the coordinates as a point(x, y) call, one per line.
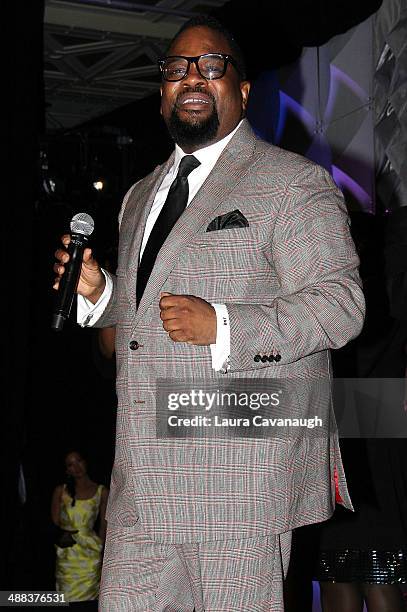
point(209, 65)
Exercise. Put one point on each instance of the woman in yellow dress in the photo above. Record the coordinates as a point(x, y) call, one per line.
point(75, 509)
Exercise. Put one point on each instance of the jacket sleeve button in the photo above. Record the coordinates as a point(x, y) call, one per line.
point(277, 357)
point(134, 345)
point(257, 358)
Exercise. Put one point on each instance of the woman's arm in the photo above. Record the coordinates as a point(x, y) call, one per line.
point(63, 538)
point(102, 512)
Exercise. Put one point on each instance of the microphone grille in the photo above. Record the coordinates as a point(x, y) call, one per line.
point(82, 223)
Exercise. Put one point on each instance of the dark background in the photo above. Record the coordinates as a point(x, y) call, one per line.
point(58, 394)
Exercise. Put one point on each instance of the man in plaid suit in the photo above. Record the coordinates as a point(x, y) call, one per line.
point(257, 279)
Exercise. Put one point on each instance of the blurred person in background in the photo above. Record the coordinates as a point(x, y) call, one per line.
point(77, 505)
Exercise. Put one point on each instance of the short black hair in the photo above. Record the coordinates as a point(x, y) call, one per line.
point(210, 22)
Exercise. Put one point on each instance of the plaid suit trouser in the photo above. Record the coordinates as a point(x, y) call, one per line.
point(140, 575)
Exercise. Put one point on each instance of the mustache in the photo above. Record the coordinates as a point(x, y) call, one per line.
point(196, 90)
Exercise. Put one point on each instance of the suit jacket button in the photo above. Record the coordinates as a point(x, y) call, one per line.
point(264, 358)
point(134, 345)
point(257, 358)
point(271, 357)
point(277, 357)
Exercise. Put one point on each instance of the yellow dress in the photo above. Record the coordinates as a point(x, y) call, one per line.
point(78, 567)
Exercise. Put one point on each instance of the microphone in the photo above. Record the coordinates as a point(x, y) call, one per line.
point(82, 226)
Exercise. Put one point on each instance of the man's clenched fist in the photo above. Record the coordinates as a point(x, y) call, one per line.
point(189, 319)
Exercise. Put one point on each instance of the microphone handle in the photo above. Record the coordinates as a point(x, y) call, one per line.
point(69, 281)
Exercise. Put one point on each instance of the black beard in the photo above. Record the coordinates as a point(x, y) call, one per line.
point(193, 134)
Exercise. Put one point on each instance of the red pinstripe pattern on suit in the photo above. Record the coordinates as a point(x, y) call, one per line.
point(291, 286)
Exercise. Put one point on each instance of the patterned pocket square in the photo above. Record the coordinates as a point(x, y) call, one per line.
point(229, 220)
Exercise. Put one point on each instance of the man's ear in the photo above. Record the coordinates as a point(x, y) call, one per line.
point(245, 90)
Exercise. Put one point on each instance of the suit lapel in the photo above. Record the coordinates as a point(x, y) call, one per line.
point(232, 165)
point(139, 216)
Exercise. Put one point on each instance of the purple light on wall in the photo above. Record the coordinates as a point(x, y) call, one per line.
point(282, 116)
point(288, 103)
point(347, 184)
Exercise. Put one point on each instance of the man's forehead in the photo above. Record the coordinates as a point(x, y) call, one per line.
point(198, 40)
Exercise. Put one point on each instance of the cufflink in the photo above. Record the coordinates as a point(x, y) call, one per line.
point(226, 366)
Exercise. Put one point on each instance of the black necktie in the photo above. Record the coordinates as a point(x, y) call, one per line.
point(174, 206)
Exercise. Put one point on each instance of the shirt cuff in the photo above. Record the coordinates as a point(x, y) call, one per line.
point(87, 313)
point(221, 350)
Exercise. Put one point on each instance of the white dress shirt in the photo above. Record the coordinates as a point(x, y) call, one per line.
point(88, 313)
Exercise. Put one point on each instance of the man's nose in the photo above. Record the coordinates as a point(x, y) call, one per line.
point(193, 77)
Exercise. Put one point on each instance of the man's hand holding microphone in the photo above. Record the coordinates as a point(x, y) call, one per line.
point(77, 271)
point(91, 280)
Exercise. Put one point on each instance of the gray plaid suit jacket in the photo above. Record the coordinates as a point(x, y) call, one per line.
point(291, 286)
